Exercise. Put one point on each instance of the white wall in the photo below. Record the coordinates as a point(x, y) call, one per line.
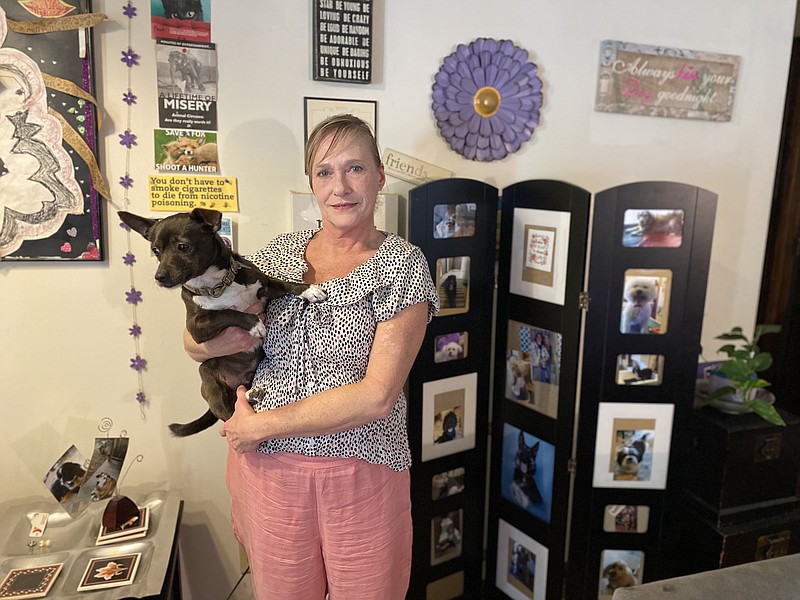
point(64, 327)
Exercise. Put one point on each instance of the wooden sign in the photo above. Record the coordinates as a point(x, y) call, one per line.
point(665, 82)
point(343, 40)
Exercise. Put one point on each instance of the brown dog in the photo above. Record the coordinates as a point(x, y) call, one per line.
point(217, 285)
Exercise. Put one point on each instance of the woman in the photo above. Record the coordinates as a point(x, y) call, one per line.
point(318, 469)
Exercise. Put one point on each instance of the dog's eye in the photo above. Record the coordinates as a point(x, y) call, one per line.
point(184, 247)
point(190, 14)
point(157, 252)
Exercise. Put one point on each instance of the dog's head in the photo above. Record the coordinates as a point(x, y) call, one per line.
point(526, 456)
point(645, 219)
point(71, 475)
point(449, 424)
point(630, 456)
point(640, 291)
point(618, 575)
point(185, 244)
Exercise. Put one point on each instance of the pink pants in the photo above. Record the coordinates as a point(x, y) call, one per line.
point(312, 525)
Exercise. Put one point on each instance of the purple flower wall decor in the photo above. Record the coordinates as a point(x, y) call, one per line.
point(486, 99)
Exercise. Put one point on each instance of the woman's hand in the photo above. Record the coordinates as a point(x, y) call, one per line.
point(230, 341)
point(242, 429)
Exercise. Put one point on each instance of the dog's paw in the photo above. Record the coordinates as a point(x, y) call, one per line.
point(255, 395)
point(314, 293)
point(259, 330)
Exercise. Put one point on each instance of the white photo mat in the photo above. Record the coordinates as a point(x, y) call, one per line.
point(527, 218)
point(430, 390)
point(507, 533)
point(608, 414)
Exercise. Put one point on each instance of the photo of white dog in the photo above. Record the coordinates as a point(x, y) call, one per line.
point(637, 310)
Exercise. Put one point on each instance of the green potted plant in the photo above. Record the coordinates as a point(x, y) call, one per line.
point(735, 384)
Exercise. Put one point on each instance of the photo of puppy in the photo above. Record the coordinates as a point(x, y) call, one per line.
point(446, 536)
point(454, 220)
point(451, 346)
point(447, 483)
point(638, 308)
point(632, 461)
point(68, 481)
point(450, 427)
point(104, 486)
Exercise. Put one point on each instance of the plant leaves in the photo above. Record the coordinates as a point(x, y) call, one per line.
point(766, 411)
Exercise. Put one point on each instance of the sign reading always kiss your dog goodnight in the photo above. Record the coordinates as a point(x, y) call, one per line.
point(343, 40)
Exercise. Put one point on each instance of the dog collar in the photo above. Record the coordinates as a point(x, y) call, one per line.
point(217, 290)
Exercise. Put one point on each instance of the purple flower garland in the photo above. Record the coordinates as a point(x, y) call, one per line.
point(486, 99)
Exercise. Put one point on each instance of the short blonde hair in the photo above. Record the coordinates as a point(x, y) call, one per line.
point(342, 129)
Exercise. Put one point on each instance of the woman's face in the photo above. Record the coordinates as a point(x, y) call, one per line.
point(346, 183)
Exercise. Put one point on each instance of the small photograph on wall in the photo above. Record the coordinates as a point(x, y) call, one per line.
point(447, 483)
point(447, 532)
point(652, 228)
point(645, 301)
point(521, 564)
point(446, 588)
point(640, 369)
point(526, 476)
point(533, 367)
point(619, 569)
point(454, 220)
point(449, 408)
point(539, 245)
point(452, 283)
point(626, 518)
point(450, 346)
point(632, 445)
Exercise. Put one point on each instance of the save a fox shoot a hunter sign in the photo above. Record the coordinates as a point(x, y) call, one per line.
point(656, 81)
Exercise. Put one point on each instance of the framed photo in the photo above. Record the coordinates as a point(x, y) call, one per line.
point(521, 564)
point(619, 568)
point(446, 588)
point(450, 346)
point(319, 109)
point(533, 367)
point(447, 534)
point(539, 244)
point(449, 408)
point(110, 571)
point(640, 369)
point(452, 282)
point(526, 476)
point(447, 483)
point(645, 301)
point(632, 445)
point(454, 220)
point(626, 518)
point(652, 228)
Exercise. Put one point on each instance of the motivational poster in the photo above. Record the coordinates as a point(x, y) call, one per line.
point(343, 40)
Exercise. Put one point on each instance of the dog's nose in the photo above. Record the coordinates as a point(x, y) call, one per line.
point(162, 278)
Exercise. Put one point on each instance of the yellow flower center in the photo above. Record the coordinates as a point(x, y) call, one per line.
point(486, 101)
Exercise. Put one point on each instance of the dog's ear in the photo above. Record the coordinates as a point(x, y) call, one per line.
point(207, 216)
point(140, 225)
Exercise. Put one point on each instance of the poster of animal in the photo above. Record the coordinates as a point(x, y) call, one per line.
point(526, 476)
point(186, 74)
point(185, 150)
point(188, 20)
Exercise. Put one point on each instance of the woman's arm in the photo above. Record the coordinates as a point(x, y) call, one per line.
point(393, 352)
point(230, 341)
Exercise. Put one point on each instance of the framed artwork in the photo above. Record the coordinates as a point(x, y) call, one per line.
point(521, 564)
point(652, 228)
point(449, 408)
point(447, 535)
point(446, 588)
point(526, 475)
point(533, 367)
point(447, 483)
point(452, 282)
point(454, 220)
point(632, 445)
point(645, 301)
point(319, 109)
point(640, 369)
point(450, 346)
point(619, 568)
point(626, 518)
point(110, 571)
point(539, 244)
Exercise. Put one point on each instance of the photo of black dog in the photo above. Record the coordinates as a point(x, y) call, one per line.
point(524, 486)
point(449, 428)
point(216, 285)
point(186, 10)
point(68, 481)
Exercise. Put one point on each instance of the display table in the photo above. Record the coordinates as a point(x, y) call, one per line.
point(72, 542)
